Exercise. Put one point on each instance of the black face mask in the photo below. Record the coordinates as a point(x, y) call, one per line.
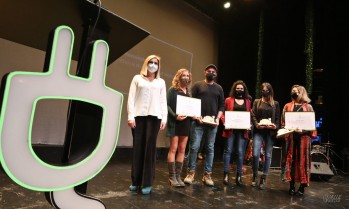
point(210, 76)
point(294, 95)
point(239, 93)
point(265, 93)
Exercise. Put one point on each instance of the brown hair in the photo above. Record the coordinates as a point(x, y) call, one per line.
point(271, 91)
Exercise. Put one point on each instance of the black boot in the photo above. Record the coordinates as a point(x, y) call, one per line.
point(254, 180)
point(226, 178)
point(262, 182)
point(238, 179)
point(300, 191)
point(292, 189)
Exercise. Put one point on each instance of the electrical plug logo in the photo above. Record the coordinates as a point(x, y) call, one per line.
point(22, 92)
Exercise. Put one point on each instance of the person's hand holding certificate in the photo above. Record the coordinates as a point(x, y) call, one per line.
point(300, 120)
point(187, 106)
point(237, 120)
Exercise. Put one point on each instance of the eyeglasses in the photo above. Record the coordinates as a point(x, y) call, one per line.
point(265, 91)
point(151, 62)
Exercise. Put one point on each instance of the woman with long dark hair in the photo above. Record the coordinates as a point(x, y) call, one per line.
point(266, 120)
point(238, 100)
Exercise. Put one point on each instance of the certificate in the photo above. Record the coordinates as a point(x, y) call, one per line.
point(188, 106)
point(301, 120)
point(237, 120)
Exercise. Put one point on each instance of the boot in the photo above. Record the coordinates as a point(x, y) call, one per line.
point(262, 182)
point(238, 179)
point(300, 191)
point(190, 177)
point(179, 166)
point(226, 178)
point(172, 174)
point(292, 189)
point(207, 179)
point(254, 180)
point(282, 175)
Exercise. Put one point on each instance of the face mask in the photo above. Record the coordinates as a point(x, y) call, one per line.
point(184, 80)
point(152, 67)
point(294, 95)
point(265, 93)
point(239, 93)
point(210, 76)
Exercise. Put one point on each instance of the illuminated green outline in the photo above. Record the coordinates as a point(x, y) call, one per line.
point(4, 108)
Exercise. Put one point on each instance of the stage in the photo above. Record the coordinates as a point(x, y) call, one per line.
point(111, 186)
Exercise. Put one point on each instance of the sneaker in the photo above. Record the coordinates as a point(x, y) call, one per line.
point(146, 190)
point(190, 177)
point(133, 188)
point(207, 179)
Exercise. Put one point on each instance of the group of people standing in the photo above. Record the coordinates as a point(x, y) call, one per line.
point(151, 107)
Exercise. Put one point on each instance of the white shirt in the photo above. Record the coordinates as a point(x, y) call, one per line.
point(147, 98)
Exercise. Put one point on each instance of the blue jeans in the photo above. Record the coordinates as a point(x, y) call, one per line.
point(229, 147)
point(202, 132)
point(258, 139)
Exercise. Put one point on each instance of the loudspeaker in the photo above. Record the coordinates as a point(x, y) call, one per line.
point(276, 157)
point(320, 166)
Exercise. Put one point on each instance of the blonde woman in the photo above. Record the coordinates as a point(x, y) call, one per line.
point(178, 126)
point(298, 143)
point(147, 114)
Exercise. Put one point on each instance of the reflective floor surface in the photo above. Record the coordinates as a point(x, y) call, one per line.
point(111, 186)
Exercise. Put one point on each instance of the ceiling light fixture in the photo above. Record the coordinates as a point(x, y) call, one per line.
point(226, 5)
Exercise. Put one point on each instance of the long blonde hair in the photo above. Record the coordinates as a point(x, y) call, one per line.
point(177, 77)
point(303, 95)
point(144, 69)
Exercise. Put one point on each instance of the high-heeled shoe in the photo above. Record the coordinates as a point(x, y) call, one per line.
point(146, 190)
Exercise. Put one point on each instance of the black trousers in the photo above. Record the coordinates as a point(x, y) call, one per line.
point(144, 150)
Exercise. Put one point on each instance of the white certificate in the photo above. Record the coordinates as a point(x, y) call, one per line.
point(301, 120)
point(188, 106)
point(237, 120)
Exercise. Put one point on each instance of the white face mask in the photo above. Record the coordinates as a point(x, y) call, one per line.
point(152, 67)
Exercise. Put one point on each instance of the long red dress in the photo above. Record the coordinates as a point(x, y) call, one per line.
point(298, 150)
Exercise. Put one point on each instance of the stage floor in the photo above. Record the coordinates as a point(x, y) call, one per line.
point(111, 186)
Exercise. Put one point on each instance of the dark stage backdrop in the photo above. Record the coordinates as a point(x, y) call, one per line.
point(284, 60)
